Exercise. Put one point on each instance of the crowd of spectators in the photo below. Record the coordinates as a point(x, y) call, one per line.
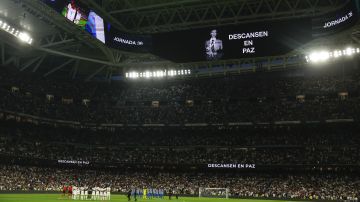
point(254, 98)
point(282, 186)
point(249, 98)
point(296, 145)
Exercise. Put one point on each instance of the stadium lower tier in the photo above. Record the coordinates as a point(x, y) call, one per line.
point(327, 186)
point(116, 198)
point(296, 145)
point(188, 156)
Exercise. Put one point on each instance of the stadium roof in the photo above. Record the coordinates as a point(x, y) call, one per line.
point(153, 16)
point(62, 49)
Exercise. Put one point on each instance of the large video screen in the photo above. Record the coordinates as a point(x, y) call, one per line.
point(129, 42)
point(335, 21)
point(79, 14)
point(94, 24)
point(230, 42)
point(261, 39)
point(75, 14)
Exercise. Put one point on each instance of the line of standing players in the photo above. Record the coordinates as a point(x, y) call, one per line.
point(67, 190)
point(150, 193)
point(85, 193)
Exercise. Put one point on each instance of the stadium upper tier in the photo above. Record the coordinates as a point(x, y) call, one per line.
point(302, 96)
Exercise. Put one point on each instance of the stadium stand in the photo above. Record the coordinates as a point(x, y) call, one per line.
point(213, 100)
point(319, 186)
point(319, 160)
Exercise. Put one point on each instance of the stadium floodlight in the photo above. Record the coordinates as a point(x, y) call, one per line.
point(337, 53)
point(322, 56)
point(133, 75)
point(24, 36)
point(350, 51)
point(160, 73)
point(147, 74)
point(157, 73)
point(171, 73)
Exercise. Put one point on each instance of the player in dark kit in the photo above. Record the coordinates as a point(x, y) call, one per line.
point(177, 193)
point(129, 195)
point(135, 195)
point(170, 194)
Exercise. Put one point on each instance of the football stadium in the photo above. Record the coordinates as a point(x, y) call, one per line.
point(180, 100)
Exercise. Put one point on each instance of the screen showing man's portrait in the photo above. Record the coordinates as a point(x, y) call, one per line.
point(213, 46)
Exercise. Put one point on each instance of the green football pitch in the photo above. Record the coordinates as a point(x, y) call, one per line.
point(118, 198)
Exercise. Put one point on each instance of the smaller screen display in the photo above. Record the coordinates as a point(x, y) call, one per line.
point(80, 15)
point(95, 26)
point(75, 14)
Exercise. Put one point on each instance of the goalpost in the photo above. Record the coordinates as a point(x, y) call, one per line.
point(214, 192)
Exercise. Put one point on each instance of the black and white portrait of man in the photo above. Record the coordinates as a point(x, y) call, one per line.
point(213, 46)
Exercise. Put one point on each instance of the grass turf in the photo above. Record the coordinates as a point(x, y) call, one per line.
point(117, 198)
